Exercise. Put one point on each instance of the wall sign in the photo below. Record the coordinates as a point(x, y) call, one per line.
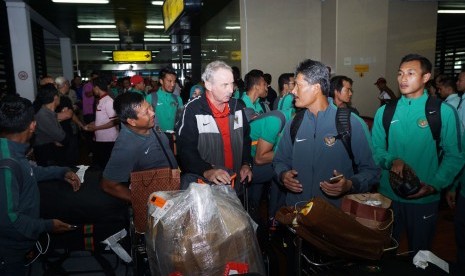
point(22, 75)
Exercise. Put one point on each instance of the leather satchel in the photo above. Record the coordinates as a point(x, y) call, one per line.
point(333, 232)
point(144, 183)
point(370, 209)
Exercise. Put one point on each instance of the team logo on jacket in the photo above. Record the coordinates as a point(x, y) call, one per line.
point(330, 141)
point(422, 122)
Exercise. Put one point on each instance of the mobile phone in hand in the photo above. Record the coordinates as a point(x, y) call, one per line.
point(335, 179)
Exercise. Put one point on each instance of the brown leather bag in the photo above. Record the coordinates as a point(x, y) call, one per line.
point(370, 209)
point(335, 233)
point(144, 183)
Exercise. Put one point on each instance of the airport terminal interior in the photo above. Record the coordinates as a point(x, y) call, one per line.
point(361, 39)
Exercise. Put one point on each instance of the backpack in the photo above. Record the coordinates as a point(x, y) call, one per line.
point(13, 165)
point(281, 100)
point(343, 131)
point(433, 116)
point(251, 116)
point(265, 107)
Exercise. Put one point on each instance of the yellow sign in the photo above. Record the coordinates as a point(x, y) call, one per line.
point(172, 10)
point(361, 68)
point(132, 56)
point(235, 55)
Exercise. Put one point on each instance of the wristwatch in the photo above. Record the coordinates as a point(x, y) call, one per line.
point(247, 164)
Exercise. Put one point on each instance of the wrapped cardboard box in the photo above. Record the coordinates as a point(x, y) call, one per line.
point(203, 230)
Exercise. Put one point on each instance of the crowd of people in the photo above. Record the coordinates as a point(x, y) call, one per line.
point(283, 146)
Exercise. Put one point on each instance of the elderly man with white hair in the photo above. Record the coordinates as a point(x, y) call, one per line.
point(213, 136)
point(66, 113)
point(64, 87)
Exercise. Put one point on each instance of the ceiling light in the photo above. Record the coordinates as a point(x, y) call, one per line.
point(451, 11)
point(233, 27)
point(155, 21)
point(104, 38)
point(155, 27)
point(97, 26)
point(82, 1)
point(156, 39)
point(107, 51)
point(219, 39)
point(157, 3)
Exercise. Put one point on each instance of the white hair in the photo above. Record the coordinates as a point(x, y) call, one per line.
point(212, 67)
point(60, 81)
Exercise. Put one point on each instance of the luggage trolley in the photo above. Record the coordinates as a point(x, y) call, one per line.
point(309, 261)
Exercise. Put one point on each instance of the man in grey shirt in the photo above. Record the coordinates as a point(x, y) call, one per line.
point(136, 147)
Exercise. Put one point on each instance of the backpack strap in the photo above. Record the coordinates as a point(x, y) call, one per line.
point(265, 106)
point(295, 124)
point(460, 102)
point(389, 110)
point(175, 99)
point(154, 100)
point(13, 165)
point(280, 107)
point(344, 133)
point(433, 116)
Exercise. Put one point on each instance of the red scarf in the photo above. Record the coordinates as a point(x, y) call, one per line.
point(222, 121)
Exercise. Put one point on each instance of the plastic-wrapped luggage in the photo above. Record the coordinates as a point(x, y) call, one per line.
point(203, 230)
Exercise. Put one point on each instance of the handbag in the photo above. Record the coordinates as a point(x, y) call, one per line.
point(369, 209)
point(144, 183)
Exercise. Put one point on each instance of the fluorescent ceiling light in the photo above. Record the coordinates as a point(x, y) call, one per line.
point(155, 27)
point(99, 26)
point(156, 39)
point(104, 38)
point(219, 39)
point(107, 51)
point(451, 11)
point(154, 21)
point(233, 27)
point(82, 1)
point(157, 3)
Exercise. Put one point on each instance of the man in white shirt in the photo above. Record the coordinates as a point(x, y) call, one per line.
point(105, 124)
point(385, 93)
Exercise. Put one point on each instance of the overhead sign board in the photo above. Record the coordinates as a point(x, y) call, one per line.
point(132, 56)
point(172, 11)
point(236, 55)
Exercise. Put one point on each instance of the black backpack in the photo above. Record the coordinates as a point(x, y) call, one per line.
point(433, 116)
point(343, 130)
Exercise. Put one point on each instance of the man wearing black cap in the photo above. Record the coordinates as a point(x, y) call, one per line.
point(385, 93)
